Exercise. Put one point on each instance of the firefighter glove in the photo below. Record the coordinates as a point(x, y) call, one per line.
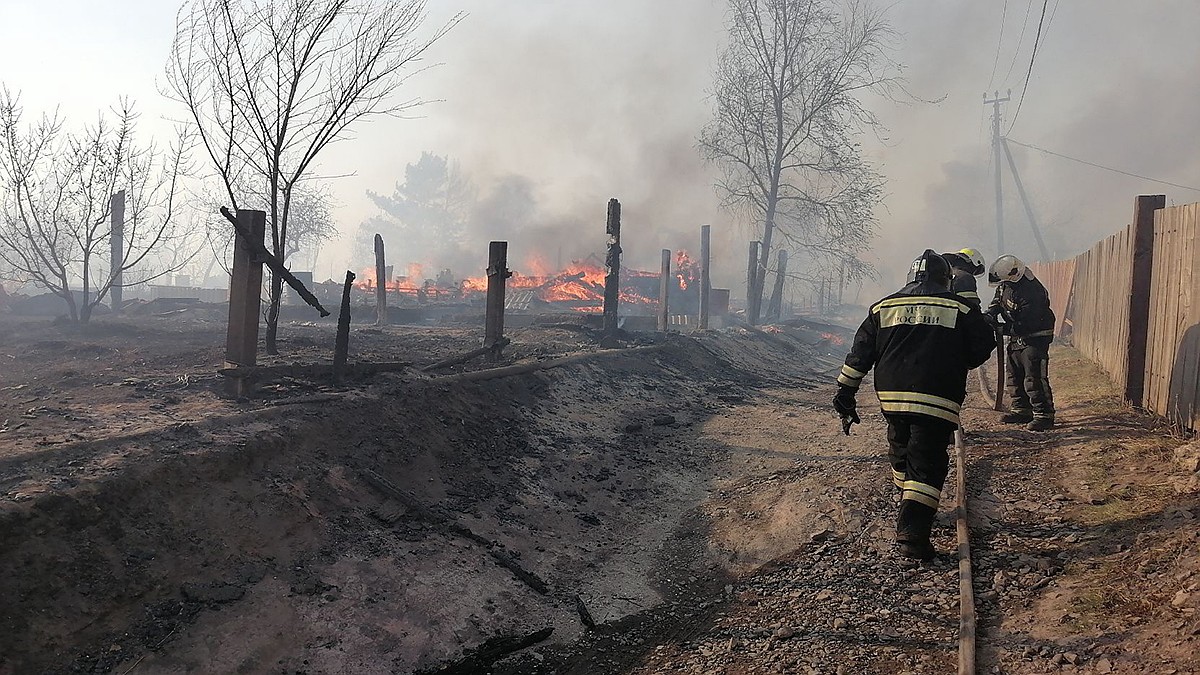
point(847, 408)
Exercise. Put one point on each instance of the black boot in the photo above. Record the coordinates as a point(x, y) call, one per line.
point(1041, 424)
point(1017, 417)
point(913, 527)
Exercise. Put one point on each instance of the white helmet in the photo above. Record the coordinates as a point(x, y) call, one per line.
point(1008, 268)
point(977, 263)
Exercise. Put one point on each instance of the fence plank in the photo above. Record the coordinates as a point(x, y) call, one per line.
point(1182, 408)
point(1088, 293)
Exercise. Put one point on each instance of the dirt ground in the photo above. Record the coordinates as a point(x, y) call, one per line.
point(686, 505)
point(1088, 557)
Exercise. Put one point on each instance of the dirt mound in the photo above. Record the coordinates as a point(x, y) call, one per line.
point(382, 529)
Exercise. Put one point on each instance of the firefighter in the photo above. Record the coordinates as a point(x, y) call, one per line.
point(1023, 304)
point(965, 265)
point(922, 342)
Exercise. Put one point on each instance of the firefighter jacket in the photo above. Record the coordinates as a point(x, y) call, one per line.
point(1025, 306)
point(962, 284)
point(921, 342)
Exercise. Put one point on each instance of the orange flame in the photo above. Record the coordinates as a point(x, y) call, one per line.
point(579, 286)
point(687, 271)
point(835, 339)
point(582, 281)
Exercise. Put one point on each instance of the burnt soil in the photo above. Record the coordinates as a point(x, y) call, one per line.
point(388, 525)
point(684, 504)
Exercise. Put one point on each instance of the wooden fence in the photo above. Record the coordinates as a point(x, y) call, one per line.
point(1131, 304)
point(1095, 318)
point(1173, 344)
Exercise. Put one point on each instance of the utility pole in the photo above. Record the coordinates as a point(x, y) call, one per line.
point(1037, 232)
point(996, 150)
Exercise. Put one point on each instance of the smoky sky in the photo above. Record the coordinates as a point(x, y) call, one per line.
point(1110, 85)
point(591, 100)
point(586, 104)
point(588, 101)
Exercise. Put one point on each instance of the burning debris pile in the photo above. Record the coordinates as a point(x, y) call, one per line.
point(577, 287)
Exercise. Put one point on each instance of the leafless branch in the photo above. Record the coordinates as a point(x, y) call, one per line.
point(55, 204)
point(786, 115)
point(269, 84)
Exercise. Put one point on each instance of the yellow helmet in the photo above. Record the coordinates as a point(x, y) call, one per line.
point(977, 264)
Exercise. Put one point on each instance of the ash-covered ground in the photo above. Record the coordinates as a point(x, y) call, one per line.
point(685, 504)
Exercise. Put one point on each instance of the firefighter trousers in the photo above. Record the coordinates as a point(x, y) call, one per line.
point(1028, 377)
point(918, 453)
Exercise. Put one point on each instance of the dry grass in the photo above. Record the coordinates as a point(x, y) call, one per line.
point(1129, 469)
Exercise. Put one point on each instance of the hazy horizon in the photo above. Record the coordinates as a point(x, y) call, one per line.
point(589, 102)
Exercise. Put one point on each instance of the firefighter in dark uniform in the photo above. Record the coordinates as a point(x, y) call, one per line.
point(965, 265)
point(922, 342)
point(1023, 305)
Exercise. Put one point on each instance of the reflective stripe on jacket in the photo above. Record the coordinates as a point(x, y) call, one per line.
point(921, 342)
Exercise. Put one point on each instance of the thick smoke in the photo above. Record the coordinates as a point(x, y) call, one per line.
point(1111, 84)
point(553, 110)
point(579, 102)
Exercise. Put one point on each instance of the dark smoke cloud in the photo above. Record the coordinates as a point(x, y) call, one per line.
point(579, 102)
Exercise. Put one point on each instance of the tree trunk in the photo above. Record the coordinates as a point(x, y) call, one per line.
point(273, 314)
point(85, 309)
point(70, 298)
point(760, 276)
point(279, 239)
point(276, 282)
point(775, 306)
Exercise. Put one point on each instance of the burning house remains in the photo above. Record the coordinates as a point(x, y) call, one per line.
point(576, 288)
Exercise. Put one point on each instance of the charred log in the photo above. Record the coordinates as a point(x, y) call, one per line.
point(479, 661)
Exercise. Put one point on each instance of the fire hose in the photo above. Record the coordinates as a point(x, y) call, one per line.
point(993, 393)
point(966, 591)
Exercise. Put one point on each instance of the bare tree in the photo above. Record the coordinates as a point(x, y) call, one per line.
point(787, 112)
point(310, 225)
point(269, 84)
point(55, 205)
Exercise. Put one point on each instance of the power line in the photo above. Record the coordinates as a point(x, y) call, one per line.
point(1032, 56)
point(1101, 166)
point(1053, 13)
point(1020, 41)
point(999, 43)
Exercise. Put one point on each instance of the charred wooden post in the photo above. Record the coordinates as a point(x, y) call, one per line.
point(705, 280)
point(341, 348)
point(245, 298)
point(116, 243)
point(775, 308)
point(612, 268)
point(260, 252)
point(381, 315)
point(751, 274)
point(664, 284)
point(497, 276)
